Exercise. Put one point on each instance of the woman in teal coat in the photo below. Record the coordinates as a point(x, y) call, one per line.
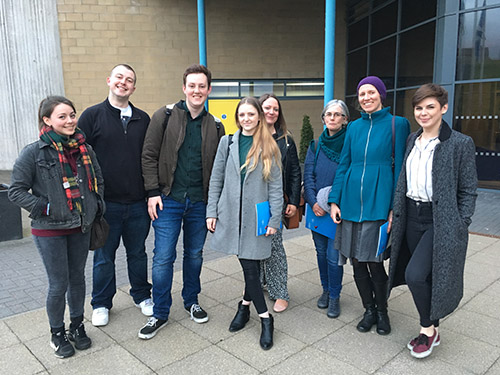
point(362, 194)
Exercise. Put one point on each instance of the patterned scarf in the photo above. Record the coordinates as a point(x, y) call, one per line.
point(73, 144)
point(332, 145)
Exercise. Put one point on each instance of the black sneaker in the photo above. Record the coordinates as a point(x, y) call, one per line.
point(197, 313)
point(59, 342)
point(79, 337)
point(151, 328)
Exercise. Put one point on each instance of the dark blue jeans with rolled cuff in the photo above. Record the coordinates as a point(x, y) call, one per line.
point(191, 216)
point(131, 223)
point(330, 273)
point(64, 258)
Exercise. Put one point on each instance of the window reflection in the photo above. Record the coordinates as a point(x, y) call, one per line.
point(479, 45)
point(356, 69)
point(414, 12)
point(404, 107)
point(384, 21)
point(358, 34)
point(382, 61)
point(471, 4)
point(416, 55)
point(477, 114)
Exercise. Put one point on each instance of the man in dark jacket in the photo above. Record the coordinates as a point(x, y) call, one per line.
point(177, 159)
point(116, 130)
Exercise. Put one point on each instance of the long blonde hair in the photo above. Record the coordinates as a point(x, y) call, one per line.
point(264, 147)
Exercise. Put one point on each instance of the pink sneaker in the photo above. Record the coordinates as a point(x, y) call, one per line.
point(424, 344)
point(412, 342)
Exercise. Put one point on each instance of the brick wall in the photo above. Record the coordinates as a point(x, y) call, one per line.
point(159, 38)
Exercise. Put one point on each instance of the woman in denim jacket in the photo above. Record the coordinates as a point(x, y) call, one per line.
point(57, 179)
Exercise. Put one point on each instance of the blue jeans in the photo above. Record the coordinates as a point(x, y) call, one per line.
point(64, 258)
point(167, 229)
point(330, 273)
point(130, 222)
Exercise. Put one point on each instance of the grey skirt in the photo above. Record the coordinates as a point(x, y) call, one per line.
point(358, 240)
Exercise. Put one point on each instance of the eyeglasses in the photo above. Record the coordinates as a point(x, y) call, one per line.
point(334, 114)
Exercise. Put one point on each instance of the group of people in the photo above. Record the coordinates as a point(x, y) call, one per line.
point(179, 169)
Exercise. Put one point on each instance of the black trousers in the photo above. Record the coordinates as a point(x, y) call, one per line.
point(253, 289)
point(420, 240)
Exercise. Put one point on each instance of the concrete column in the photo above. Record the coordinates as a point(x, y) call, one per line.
point(31, 68)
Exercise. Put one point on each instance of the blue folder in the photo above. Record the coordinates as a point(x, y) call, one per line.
point(263, 216)
point(383, 237)
point(321, 224)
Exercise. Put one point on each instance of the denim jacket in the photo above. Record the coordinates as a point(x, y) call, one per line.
point(38, 169)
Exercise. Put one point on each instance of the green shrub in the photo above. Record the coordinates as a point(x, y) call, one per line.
point(306, 136)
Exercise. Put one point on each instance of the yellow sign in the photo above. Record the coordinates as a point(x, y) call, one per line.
point(224, 110)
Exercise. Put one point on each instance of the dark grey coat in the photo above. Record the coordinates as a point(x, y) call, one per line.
point(454, 183)
point(234, 205)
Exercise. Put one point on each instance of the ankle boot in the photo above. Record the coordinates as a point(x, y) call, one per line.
point(241, 318)
point(266, 336)
point(365, 289)
point(383, 323)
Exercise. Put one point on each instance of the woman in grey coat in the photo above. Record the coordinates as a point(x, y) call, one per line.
point(433, 205)
point(246, 171)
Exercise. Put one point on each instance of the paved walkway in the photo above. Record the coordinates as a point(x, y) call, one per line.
point(306, 340)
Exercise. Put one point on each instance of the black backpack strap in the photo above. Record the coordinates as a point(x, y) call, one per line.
point(168, 112)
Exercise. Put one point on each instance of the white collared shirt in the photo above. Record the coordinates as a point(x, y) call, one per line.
point(419, 170)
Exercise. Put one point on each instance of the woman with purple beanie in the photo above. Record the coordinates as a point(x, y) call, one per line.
point(362, 195)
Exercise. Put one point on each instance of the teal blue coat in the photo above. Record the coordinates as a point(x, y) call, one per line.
point(364, 183)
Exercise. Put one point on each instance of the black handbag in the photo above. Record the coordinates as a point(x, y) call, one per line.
point(98, 233)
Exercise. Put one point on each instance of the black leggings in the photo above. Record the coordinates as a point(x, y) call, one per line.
point(419, 237)
point(253, 289)
point(374, 270)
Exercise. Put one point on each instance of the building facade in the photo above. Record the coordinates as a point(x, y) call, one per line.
point(69, 46)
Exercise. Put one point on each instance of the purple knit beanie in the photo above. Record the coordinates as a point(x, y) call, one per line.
point(376, 82)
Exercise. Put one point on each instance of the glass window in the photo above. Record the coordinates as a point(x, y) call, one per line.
point(477, 114)
point(224, 89)
point(413, 12)
point(479, 45)
point(258, 88)
point(357, 35)
point(356, 69)
point(384, 21)
point(416, 56)
point(382, 61)
point(304, 89)
point(357, 10)
point(471, 4)
point(404, 107)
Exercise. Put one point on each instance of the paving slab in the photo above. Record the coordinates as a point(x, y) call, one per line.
point(244, 345)
point(210, 361)
point(367, 352)
point(17, 359)
point(172, 343)
point(313, 361)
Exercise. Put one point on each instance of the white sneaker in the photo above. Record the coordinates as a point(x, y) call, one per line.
point(100, 316)
point(146, 307)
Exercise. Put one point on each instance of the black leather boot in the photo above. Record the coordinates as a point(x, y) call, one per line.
point(365, 289)
point(241, 318)
point(266, 336)
point(383, 323)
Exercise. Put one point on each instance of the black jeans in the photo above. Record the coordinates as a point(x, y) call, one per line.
point(64, 258)
point(420, 240)
point(253, 289)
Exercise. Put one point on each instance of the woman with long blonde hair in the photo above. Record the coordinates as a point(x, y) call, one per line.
point(246, 172)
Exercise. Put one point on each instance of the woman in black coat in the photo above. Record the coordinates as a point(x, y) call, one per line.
point(433, 205)
point(274, 270)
